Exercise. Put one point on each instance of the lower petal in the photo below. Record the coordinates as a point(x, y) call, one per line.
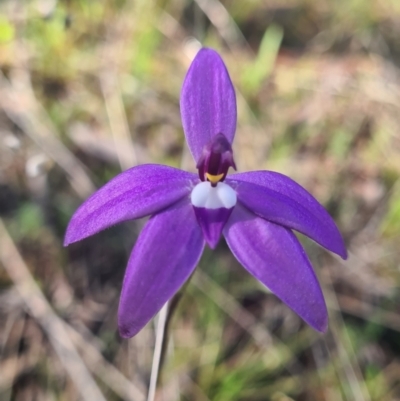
point(165, 255)
point(212, 222)
point(273, 255)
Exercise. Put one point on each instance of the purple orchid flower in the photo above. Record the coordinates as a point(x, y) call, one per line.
point(255, 211)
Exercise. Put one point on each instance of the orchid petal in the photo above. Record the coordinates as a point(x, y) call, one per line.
point(277, 198)
point(273, 255)
point(135, 193)
point(164, 257)
point(212, 221)
point(208, 102)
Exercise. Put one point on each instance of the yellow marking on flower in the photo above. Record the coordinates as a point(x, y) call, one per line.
point(214, 178)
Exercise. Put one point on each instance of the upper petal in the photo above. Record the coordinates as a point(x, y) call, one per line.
point(135, 193)
point(274, 256)
point(279, 199)
point(164, 257)
point(208, 101)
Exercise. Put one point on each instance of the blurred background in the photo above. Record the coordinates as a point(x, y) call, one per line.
point(89, 88)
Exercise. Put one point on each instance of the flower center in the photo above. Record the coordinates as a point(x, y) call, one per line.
point(216, 159)
point(209, 196)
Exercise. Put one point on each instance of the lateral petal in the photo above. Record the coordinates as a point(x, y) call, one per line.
point(135, 193)
point(208, 102)
point(273, 255)
point(277, 198)
point(166, 253)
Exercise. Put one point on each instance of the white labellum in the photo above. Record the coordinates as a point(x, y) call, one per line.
point(205, 195)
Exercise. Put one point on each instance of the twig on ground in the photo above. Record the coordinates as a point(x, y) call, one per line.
point(19, 103)
point(41, 310)
point(62, 336)
point(223, 22)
